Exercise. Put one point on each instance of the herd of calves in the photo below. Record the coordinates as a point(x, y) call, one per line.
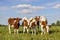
point(29, 24)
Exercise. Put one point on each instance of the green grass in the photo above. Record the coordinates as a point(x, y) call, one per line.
point(54, 34)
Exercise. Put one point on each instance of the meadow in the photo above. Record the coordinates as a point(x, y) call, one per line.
point(54, 34)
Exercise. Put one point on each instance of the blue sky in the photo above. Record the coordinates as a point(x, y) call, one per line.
point(29, 8)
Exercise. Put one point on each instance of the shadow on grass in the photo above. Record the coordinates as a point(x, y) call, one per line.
point(30, 32)
point(20, 31)
point(53, 31)
point(39, 32)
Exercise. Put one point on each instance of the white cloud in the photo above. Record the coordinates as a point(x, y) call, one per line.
point(37, 7)
point(56, 6)
point(27, 8)
point(25, 11)
point(21, 6)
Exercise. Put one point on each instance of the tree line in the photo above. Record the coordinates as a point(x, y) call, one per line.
point(56, 24)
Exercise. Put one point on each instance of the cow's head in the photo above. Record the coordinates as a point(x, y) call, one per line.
point(18, 19)
point(37, 18)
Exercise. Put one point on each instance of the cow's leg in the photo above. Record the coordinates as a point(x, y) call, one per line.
point(47, 27)
point(14, 31)
point(38, 25)
point(35, 30)
point(9, 29)
point(32, 31)
point(27, 30)
point(42, 29)
point(24, 29)
point(38, 28)
point(45, 30)
point(17, 31)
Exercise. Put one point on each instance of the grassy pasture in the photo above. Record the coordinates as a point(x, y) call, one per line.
point(54, 34)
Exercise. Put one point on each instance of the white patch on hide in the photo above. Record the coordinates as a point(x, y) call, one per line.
point(12, 25)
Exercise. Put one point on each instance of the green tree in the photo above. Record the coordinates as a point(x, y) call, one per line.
point(53, 24)
point(58, 23)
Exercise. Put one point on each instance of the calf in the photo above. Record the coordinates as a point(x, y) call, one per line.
point(25, 24)
point(13, 22)
point(32, 25)
point(44, 26)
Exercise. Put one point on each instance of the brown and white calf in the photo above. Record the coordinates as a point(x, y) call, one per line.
point(32, 25)
point(43, 24)
point(13, 22)
point(25, 24)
